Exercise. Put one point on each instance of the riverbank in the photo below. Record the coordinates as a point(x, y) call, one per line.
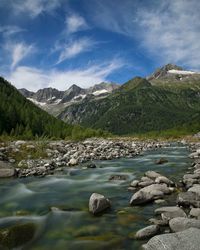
point(24, 158)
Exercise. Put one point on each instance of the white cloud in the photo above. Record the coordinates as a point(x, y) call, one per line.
point(168, 30)
point(18, 51)
point(75, 23)
point(74, 48)
point(34, 79)
point(33, 8)
point(9, 30)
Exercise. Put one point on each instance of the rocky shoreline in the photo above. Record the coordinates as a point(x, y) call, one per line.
point(46, 158)
point(176, 227)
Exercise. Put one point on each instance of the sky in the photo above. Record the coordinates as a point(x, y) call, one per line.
point(57, 43)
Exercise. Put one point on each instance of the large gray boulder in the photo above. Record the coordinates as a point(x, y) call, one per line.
point(180, 224)
point(147, 232)
point(152, 174)
point(6, 170)
point(169, 213)
point(188, 198)
point(149, 193)
point(195, 212)
point(185, 240)
point(98, 203)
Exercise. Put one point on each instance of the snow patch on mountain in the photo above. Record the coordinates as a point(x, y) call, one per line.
point(100, 92)
point(181, 72)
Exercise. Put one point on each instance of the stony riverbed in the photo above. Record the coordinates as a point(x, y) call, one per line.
point(54, 209)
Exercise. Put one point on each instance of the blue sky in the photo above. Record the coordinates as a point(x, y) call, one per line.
point(57, 43)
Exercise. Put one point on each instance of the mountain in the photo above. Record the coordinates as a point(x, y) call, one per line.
point(175, 78)
point(19, 117)
point(54, 101)
point(142, 105)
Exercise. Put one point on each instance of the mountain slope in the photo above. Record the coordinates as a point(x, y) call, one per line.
point(18, 116)
point(137, 106)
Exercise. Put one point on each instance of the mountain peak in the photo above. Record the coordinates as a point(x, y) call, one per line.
point(162, 72)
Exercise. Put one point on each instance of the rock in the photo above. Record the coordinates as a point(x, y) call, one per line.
point(152, 174)
point(187, 199)
point(159, 201)
point(90, 165)
point(144, 178)
point(180, 224)
point(163, 179)
point(158, 222)
point(117, 177)
point(16, 236)
point(195, 189)
point(195, 212)
point(98, 203)
point(19, 143)
point(6, 170)
point(145, 183)
point(72, 162)
point(185, 240)
point(161, 161)
point(149, 193)
point(134, 183)
point(147, 232)
point(169, 213)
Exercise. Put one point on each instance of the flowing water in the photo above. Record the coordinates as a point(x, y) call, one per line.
point(72, 227)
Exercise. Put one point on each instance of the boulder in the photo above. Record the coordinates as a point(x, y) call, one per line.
point(187, 199)
point(145, 183)
point(117, 177)
point(147, 232)
point(134, 183)
point(14, 237)
point(185, 240)
point(98, 203)
point(149, 193)
point(152, 174)
point(180, 224)
point(6, 169)
point(161, 161)
point(195, 212)
point(195, 189)
point(163, 179)
point(168, 213)
point(72, 162)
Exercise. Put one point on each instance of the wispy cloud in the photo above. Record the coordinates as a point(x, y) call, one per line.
point(34, 79)
point(18, 51)
point(9, 30)
point(32, 8)
point(75, 23)
point(74, 48)
point(168, 30)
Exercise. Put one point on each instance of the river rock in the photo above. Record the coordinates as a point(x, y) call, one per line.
point(187, 199)
point(180, 224)
point(15, 236)
point(185, 240)
point(147, 232)
point(72, 162)
point(158, 222)
point(98, 203)
point(161, 161)
point(134, 183)
point(168, 213)
point(149, 193)
point(195, 212)
point(6, 170)
point(163, 179)
point(152, 174)
point(117, 177)
point(145, 183)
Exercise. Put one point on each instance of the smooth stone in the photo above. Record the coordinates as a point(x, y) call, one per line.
point(170, 212)
point(161, 161)
point(72, 162)
point(149, 193)
point(15, 236)
point(144, 178)
point(98, 203)
point(180, 224)
point(145, 183)
point(185, 240)
point(195, 189)
point(159, 201)
point(195, 212)
point(152, 174)
point(147, 232)
point(163, 179)
point(188, 198)
point(134, 183)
